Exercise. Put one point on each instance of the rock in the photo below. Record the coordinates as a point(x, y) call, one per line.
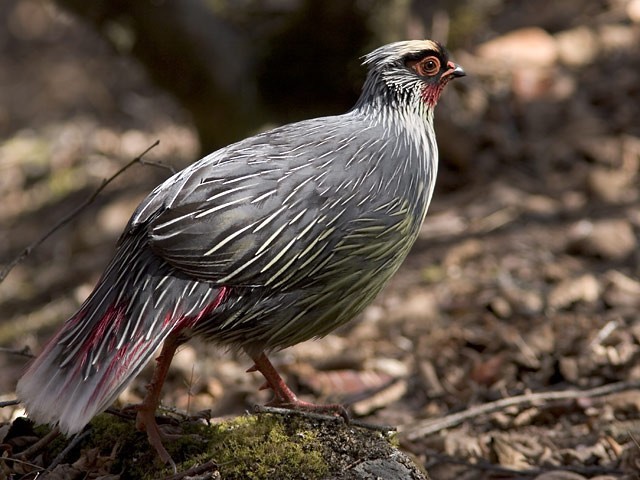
point(529, 84)
point(585, 288)
point(621, 290)
point(609, 239)
point(521, 300)
point(382, 468)
point(570, 369)
point(541, 205)
point(577, 47)
point(290, 445)
point(560, 475)
point(463, 252)
point(603, 149)
point(610, 185)
point(617, 37)
point(500, 307)
point(633, 10)
point(526, 47)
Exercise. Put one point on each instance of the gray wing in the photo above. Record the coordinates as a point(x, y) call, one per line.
point(262, 212)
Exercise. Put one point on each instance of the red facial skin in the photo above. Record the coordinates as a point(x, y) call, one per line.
point(431, 92)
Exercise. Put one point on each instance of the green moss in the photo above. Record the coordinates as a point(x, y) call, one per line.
point(248, 447)
point(134, 456)
point(393, 439)
point(56, 446)
point(256, 447)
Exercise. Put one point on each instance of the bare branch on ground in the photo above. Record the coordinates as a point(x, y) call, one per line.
point(429, 427)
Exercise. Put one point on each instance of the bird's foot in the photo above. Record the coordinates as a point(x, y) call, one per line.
point(145, 417)
point(284, 396)
point(146, 421)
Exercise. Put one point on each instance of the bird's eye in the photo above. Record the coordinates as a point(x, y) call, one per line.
point(428, 67)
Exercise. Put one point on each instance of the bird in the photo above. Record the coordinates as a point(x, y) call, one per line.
point(265, 243)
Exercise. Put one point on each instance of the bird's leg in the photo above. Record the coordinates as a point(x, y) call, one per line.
point(145, 418)
point(284, 397)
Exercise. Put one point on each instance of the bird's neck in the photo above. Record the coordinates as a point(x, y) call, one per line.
point(407, 119)
point(397, 102)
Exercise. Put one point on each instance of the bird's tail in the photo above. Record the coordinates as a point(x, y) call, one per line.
point(138, 301)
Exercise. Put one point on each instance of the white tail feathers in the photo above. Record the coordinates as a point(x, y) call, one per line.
point(63, 397)
point(135, 306)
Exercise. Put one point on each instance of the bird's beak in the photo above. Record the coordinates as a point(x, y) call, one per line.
point(454, 71)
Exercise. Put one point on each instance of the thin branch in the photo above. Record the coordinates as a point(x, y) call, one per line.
point(438, 459)
point(320, 416)
point(72, 444)
point(300, 413)
point(39, 445)
point(38, 468)
point(429, 427)
point(23, 352)
point(27, 251)
point(205, 467)
point(157, 164)
point(9, 403)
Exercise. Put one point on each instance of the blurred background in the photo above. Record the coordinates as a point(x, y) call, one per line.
point(526, 273)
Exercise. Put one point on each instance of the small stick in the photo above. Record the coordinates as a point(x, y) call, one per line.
point(22, 462)
point(39, 445)
point(23, 352)
point(27, 251)
point(205, 467)
point(9, 403)
point(320, 416)
point(72, 444)
point(516, 473)
point(428, 427)
point(300, 413)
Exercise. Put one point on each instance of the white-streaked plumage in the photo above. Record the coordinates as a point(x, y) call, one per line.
point(268, 242)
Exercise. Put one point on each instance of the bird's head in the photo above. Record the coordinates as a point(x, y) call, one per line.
point(409, 71)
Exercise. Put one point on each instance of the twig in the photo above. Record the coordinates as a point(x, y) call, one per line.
point(24, 352)
point(205, 467)
point(479, 465)
point(517, 473)
point(72, 444)
point(300, 413)
point(320, 416)
point(22, 462)
point(158, 164)
point(126, 413)
point(27, 251)
point(39, 445)
point(9, 403)
point(429, 427)
point(373, 426)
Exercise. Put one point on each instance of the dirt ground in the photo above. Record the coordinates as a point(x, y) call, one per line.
point(525, 279)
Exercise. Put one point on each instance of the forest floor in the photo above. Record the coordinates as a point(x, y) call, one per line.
point(525, 279)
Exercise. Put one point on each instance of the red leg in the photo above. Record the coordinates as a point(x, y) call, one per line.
point(283, 396)
point(145, 418)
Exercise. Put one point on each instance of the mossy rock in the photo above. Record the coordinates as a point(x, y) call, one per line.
point(261, 446)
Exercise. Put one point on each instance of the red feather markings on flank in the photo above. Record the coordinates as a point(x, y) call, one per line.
point(189, 322)
point(122, 359)
point(114, 315)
